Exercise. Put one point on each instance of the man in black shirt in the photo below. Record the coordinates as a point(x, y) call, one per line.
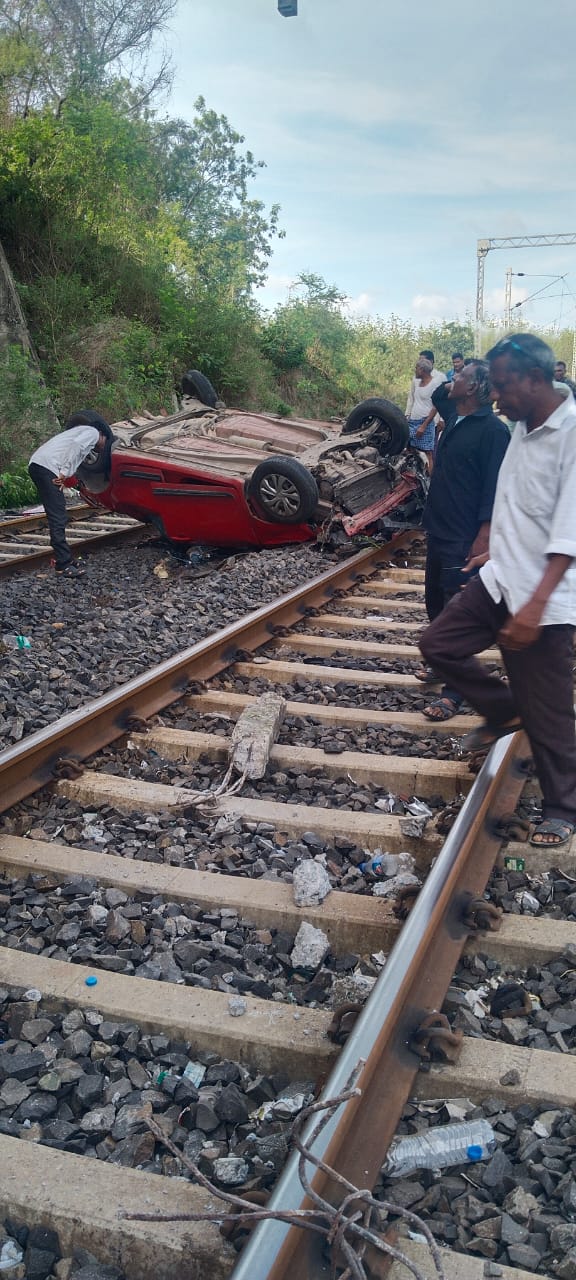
point(461, 496)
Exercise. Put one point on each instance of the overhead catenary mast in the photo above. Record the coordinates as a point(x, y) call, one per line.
point(507, 242)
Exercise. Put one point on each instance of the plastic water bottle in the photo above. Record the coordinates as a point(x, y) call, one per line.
point(373, 867)
point(438, 1148)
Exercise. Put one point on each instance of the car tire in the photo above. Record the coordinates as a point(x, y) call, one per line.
point(283, 491)
point(196, 384)
point(94, 464)
point(386, 420)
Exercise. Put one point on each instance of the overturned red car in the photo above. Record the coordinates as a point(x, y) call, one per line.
point(229, 478)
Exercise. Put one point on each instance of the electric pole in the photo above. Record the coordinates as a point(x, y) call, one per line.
point(508, 299)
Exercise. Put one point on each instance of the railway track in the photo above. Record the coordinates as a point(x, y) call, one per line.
point(120, 834)
point(25, 544)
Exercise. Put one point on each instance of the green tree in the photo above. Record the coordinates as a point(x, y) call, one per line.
point(50, 49)
point(206, 176)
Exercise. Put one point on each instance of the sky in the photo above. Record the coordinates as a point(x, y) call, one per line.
point(394, 137)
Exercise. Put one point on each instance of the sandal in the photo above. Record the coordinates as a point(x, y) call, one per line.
point(559, 829)
point(425, 675)
point(441, 709)
point(486, 735)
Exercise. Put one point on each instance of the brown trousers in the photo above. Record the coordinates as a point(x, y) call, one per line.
point(540, 690)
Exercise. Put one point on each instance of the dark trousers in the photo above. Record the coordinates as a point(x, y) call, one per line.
point(443, 579)
point(540, 687)
point(54, 504)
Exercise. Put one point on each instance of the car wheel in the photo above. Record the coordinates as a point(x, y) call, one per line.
point(196, 384)
point(385, 422)
point(283, 491)
point(95, 463)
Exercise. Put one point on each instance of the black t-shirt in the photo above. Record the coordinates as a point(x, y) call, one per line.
point(463, 484)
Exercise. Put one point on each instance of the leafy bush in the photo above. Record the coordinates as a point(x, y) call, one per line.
point(16, 488)
point(26, 417)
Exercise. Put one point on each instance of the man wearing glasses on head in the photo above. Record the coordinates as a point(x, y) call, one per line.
point(525, 594)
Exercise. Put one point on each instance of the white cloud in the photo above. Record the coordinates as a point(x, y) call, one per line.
point(449, 306)
point(362, 305)
point(389, 157)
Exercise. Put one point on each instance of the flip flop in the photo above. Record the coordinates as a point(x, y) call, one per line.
point(560, 828)
point(486, 735)
point(441, 709)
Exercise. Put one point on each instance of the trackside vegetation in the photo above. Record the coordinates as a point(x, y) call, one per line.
point(137, 245)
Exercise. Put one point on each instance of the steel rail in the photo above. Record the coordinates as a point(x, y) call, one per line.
point(34, 520)
point(87, 544)
point(412, 985)
point(32, 763)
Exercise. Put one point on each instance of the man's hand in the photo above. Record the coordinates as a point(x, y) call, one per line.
point(481, 542)
point(476, 562)
point(522, 629)
point(60, 482)
point(421, 430)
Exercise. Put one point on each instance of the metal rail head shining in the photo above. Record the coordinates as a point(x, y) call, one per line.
point(261, 1252)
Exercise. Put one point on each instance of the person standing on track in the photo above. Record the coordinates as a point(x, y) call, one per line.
point(460, 499)
point(525, 594)
point(52, 468)
point(420, 411)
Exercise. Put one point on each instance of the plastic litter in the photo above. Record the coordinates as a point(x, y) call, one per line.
point(374, 867)
point(32, 994)
point(11, 1255)
point(237, 1006)
point(195, 1072)
point(528, 902)
point(16, 642)
point(91, 980)
point(418, 809)
point(439, 1148)
point(386, 803)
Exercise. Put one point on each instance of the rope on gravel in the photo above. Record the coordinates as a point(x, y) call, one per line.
point(347, 1229)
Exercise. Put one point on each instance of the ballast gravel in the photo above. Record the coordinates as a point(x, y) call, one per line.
point(90, 634)
point(292, 786)
point(306, 731)
point(144, 936)
point(82, 1083)
point(35, 1253)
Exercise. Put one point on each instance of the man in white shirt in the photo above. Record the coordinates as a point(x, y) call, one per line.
point(525, 595)
point(52, 467)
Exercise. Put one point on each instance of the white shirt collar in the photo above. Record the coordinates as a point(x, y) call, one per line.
point(556, 419)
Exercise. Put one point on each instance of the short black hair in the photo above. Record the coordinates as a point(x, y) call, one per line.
point(525, 351)
point(562, 362)
point(428, 355)
point(457, 355)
